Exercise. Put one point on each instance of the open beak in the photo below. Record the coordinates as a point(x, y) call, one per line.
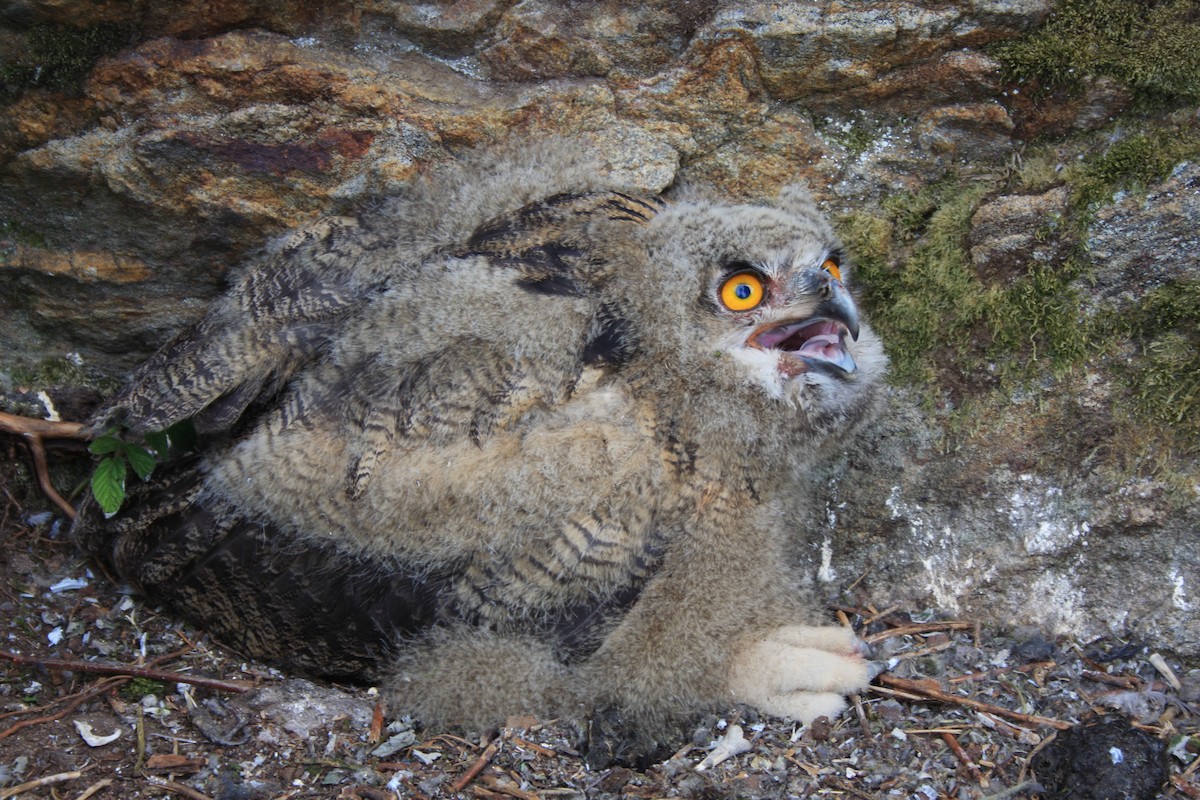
point(817, 342)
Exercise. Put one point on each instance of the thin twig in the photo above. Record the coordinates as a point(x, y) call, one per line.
point(927, 690)
point(103, 783)
point(494, 784)
point(919, 627)
point(1013, 791)
point(537, 748)
point(178, 788)
point(473, 771)
point(990, 673)
point(100, 688)
point(128, 671)
point(878, 615)
point(1123, 681)
point(856, 701)
point(1191, 770)
point(13, 791)
point(964, 759)
point(34, 431)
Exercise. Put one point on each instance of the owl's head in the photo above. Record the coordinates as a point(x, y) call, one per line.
point(758, 297)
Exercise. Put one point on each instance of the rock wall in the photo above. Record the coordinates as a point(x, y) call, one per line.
point(1021, 194)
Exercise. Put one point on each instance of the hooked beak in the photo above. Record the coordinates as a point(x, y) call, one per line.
point(816, 342)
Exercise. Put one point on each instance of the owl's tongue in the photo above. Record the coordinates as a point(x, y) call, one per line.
point(824, 345)
point(818, 342)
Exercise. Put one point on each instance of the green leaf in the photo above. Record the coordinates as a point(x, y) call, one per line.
point(158, 442)
point(142, 462)
point(183, 436)
point(105, 444)
point(108, 483)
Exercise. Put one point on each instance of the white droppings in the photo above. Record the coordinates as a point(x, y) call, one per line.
point(1179, 593)
point(1036, 513)
point(51, 411)
point(826, 573)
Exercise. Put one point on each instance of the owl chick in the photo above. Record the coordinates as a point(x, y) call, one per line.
point(520, 440)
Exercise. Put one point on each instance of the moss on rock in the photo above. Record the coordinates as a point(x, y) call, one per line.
point(1152, 47)
point(59, 57)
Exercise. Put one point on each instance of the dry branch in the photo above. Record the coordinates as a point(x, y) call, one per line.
point(34, 432)
point(128, 670)
point(928, 690)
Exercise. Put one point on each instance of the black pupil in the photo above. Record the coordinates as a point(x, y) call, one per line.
point(743, 291)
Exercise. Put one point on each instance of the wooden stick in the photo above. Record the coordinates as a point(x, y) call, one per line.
point(488, 754)
point(930, 691)
point(13, 791)
point(129, 671)
point(34, 431)
point(30, 426)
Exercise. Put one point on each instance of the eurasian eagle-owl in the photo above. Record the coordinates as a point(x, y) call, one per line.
point(520, 440)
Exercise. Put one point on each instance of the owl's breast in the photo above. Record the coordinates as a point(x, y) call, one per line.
point(448, 501)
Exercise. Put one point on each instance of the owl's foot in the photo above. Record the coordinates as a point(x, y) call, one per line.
point(799, 672)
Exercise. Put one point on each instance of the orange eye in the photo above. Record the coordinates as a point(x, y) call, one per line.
point(832, 268)
point(742, 292)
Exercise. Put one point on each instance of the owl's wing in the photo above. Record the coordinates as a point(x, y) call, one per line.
point(543, 241)
point(475, 383)
point(275, 319)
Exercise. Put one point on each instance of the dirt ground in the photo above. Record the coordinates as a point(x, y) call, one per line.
point(960, 712)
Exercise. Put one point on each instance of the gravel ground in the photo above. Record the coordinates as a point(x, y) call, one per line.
point(960, 712)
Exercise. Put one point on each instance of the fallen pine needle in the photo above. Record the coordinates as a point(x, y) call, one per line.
point(39, 782)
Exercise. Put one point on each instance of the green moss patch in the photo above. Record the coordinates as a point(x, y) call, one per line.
point(1114, 389)
point(1163, 381)
point(1153, 47)
point(1132, 163)
point(59, 57)
point(943, 324)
